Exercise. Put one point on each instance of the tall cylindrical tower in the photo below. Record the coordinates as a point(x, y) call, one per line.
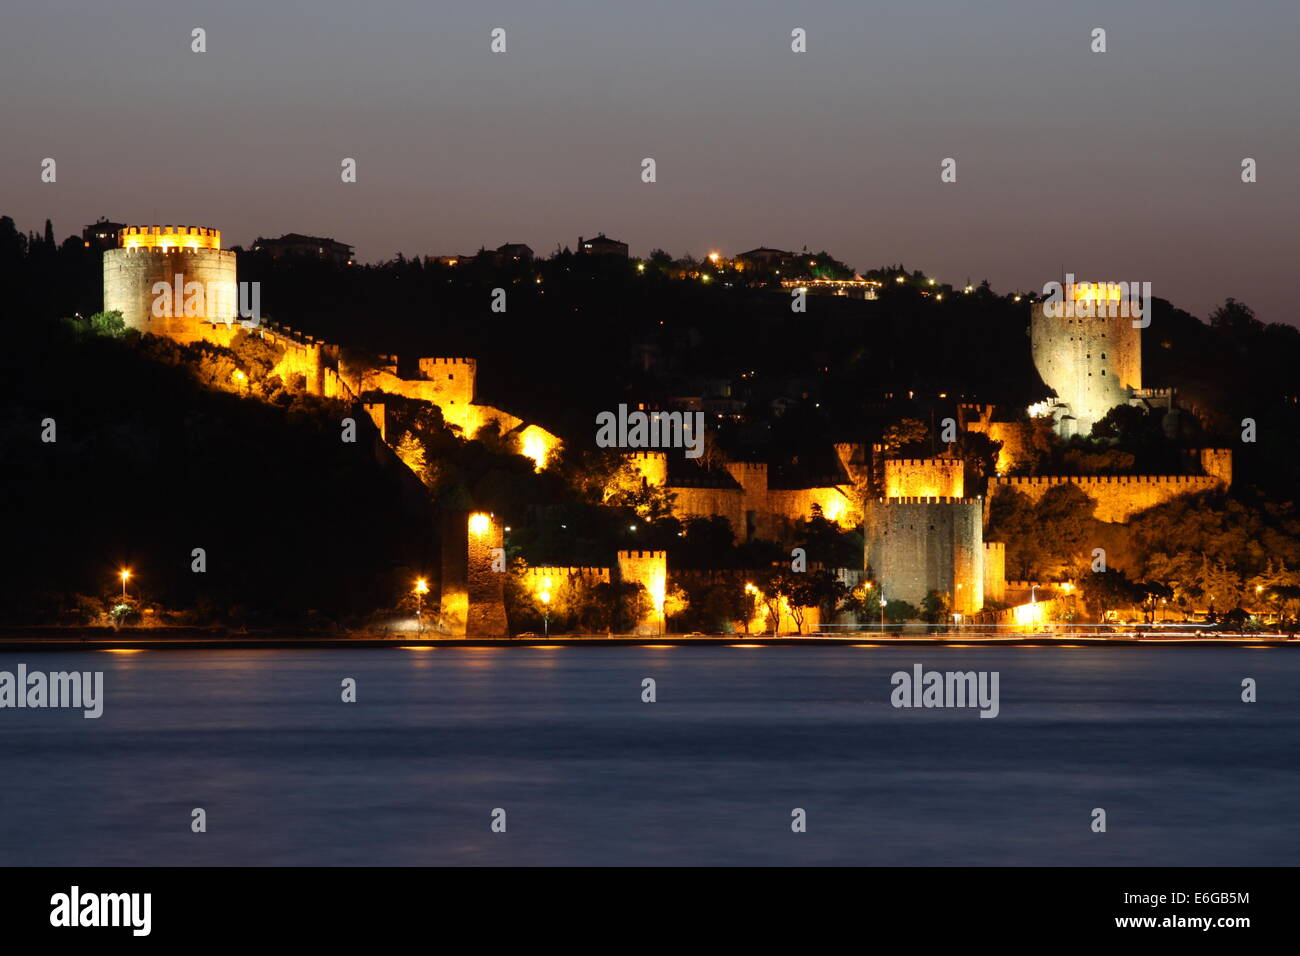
point(1090, 356)
point(169, 280)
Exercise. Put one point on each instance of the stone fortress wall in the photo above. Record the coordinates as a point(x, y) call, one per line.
point(1118, 497)
point(753, 508)
point(151, 254)
point(924, 477)
point(923, 544)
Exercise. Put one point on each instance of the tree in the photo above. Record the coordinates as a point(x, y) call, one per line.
point(979, 453)
point(1109, 590)
point(1236, 318)
point(410, 449)
point(804, 590)
point(934, 608)
point(899, 612)
point(108, 324)
point(827, 544)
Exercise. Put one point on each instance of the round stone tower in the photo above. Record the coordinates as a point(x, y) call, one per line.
point(169, 280)
point(1091, 357)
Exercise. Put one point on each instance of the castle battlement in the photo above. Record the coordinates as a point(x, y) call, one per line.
point(1119, 497)
point(196, 237)
point(926, 462)
point(552, 572)
point(175, 250)
point(1047, 481)
point(642, 555)
point(928, 500)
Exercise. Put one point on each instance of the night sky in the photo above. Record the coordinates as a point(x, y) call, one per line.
point(1122, 165)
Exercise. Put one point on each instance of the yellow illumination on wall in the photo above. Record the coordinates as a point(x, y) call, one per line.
point(1097, 291)
point(170, 237)
point(479, 523)
point(537, 444)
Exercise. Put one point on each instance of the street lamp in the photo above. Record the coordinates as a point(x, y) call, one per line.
point(421, 589)
point(124, 574)
point(545, 597)
point(882, 612)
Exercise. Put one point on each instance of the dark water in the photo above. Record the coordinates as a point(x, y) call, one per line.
point(709, 774)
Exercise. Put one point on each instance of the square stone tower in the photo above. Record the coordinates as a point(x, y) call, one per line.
point(918, 545)
point(473, 575)
point(650, 570)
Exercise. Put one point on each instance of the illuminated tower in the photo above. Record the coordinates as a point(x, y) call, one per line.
point(918, 545)
point(650, 570)
point(169, 280)
point(1089, 353)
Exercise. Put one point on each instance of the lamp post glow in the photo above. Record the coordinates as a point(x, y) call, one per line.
point(125, 575)
point(421, 589)
point(545, 597)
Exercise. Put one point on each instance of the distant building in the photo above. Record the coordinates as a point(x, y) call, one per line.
point(102, 234)
point(763, 258)
point(515, 252)
point(602, 245)
point(296, 244)
point(851, 288)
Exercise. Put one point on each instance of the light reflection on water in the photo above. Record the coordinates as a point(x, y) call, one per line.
point(587, 773)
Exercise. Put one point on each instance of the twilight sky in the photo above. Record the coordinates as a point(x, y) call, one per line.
point(1120, 165)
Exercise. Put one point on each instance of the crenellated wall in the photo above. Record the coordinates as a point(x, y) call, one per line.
point(754, 509)
point(691, 502)
point(1118, 497)
point(797, 504)
point(651, 466)
point(995, 571)
point(543, 578)
point(924, 478)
